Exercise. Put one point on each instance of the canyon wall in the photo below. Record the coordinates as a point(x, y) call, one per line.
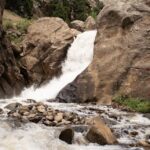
point(11, 79)
point(121, 64)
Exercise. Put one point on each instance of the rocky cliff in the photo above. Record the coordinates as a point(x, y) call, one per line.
point(11, 79)
point(43, 49)
point(121, 64)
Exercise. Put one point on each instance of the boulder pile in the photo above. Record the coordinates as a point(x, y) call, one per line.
point(41, 113)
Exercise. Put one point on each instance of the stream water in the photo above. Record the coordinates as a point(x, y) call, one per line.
point(39, 137)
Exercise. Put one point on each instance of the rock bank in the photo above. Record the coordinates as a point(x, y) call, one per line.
point(41, 113)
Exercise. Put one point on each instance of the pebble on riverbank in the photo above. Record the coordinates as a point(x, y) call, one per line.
point(41, 113)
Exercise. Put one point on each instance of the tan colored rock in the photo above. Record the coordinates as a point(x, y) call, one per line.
point(50, 117)
point(41, 108)
point(23, 110)
point(45, 47)
point(90, 23)
point(121, 64)
point(100, 133)
point(144, 144)
point(78, 25)
point(58, 117)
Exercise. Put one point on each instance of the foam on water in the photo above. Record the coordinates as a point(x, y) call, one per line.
point(37, 137)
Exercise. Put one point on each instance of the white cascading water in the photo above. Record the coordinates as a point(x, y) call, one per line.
point(79, 56)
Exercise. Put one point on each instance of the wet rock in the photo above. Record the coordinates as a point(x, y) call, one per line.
point(148, 138)
point(24, 110)
point(78, 25)
point(59, 117)
point(100, 133)
point(66, 122)
point(1, 111)
point(50, 117)
point(16, 115)
point(134, 133)
point(30, 101)
point(80, 128)
point(35, 118)
point(41, 108)
point(39, 112)
point(67, 135)
point(144, 144)
point(147, 115)
point(13, 106)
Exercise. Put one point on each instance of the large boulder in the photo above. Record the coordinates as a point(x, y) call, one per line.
point(11, 80)
point(67, 135)
point(90, 23)
point(78, 25)
point(45, 47)
point(121, 64)
point(100, 133)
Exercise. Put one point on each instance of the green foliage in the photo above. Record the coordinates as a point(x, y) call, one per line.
point(23, 25)
point(20, 26)
point(21, 7)
point(66, 9)
point(93, 14)
point(139, 105)
point(69, 9)
point(7, 24)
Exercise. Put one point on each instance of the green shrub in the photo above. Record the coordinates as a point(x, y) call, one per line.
point(21, 7)
point(23, 25)
point(7, 24)
point(137, 104)
point(72, 9)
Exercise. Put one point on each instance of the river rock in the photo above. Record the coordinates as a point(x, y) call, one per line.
point(59, 117)
point(67, 135)
point(41, 109)
point(41, 113)
point(13, 106)
point(100, 133)
point(50, 117)
point(24, 110)
point(1, 111)
point(144, 144)
point(121, 64)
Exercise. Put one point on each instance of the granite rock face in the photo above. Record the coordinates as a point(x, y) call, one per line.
point(11, 79)
point(121, 64)
point(45, 47)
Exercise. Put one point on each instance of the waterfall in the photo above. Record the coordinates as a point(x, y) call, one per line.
point(79, 56)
